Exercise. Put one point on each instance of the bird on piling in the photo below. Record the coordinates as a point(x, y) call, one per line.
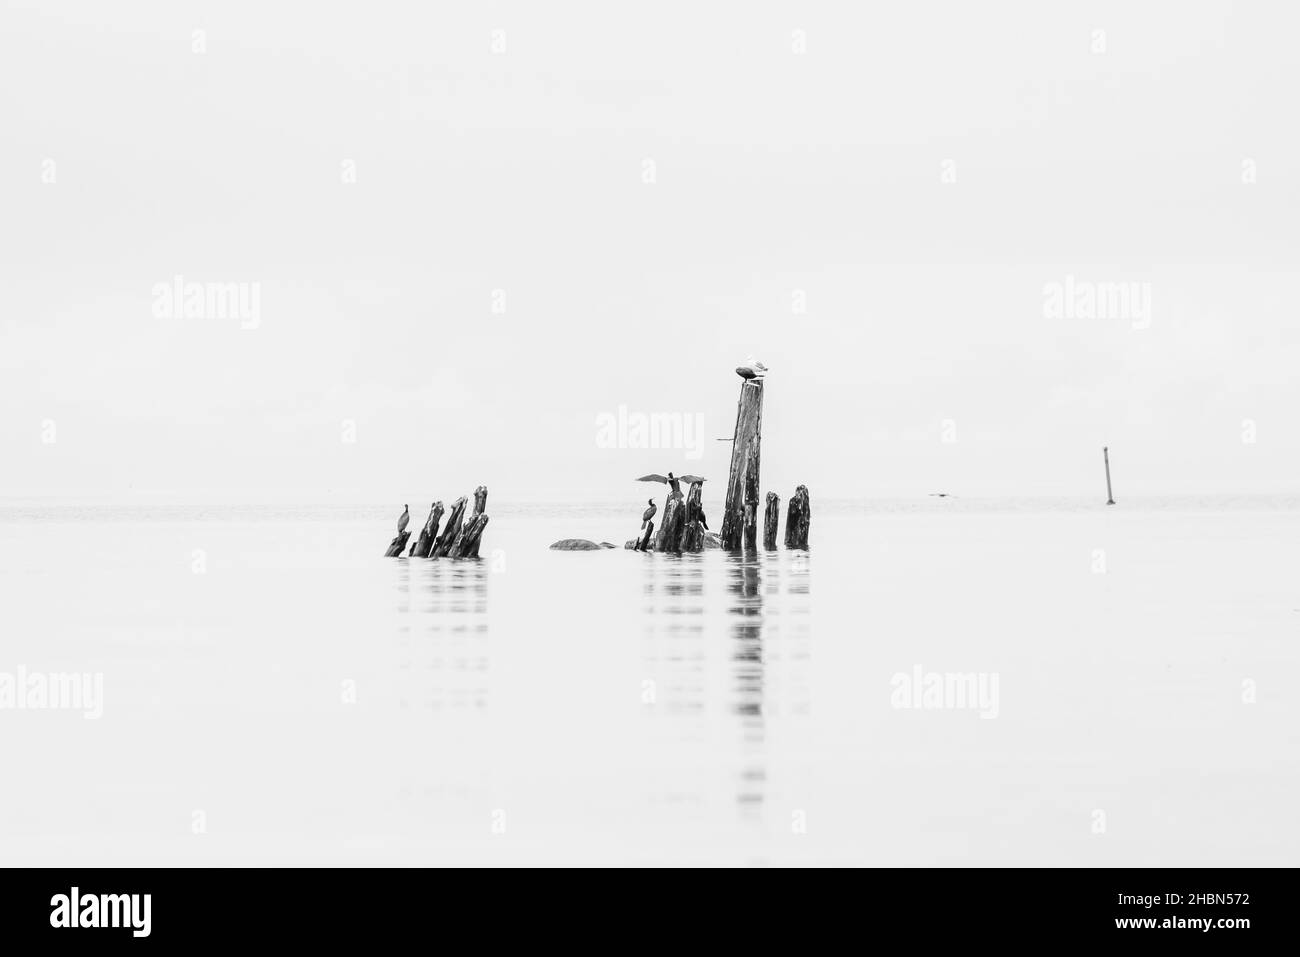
point(752, 369)
point(649, 513)
point(673, 481)
point(404, 519)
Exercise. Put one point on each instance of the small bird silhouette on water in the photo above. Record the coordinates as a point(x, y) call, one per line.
point(649, 513)
point(404, 519)
point(672, 481)
point(752, 369)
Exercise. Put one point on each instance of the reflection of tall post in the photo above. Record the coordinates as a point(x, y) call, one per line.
point(749, 670)
point(1110, 497)
point(744, 459)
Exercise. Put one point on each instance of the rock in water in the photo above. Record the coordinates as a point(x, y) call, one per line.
point(577, 545)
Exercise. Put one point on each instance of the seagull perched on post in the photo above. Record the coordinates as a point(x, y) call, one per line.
point(673, 481)
point(752, 369)
point(404, 519)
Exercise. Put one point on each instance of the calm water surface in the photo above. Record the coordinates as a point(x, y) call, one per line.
point(277, 692)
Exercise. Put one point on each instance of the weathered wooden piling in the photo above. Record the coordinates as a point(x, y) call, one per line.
point(672, 526)
point(396, 545)
point(467, 543)
point(451, 530)
point(644, 544)
point(429, 534)
point(742, 482)
point(771, 515)
point(1105, 452)
point(751, 500)
point(797, 519)
point(693, 532)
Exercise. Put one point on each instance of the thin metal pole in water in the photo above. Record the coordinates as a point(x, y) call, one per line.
point(1110, 497)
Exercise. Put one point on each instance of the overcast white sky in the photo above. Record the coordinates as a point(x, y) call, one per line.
point(523, 171)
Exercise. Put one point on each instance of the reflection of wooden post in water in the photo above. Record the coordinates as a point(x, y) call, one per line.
point(742, 486)
point(1110, 498)
point(770, 517)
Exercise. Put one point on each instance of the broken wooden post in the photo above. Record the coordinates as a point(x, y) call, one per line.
point(1110, 498)
point(672, 526)
point(797, 519)
point(396, 545)
point(467, 543)
point(744, 459)
point(693, 532)
point(451, 530)
point(644, 544)
point(429, 534)
point(771, 515)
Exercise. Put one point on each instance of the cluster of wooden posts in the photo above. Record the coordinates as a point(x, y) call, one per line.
point(459, 537)
point(682, 526)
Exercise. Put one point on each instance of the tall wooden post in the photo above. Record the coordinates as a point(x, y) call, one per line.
point(1110, 498)
point(744, 459)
